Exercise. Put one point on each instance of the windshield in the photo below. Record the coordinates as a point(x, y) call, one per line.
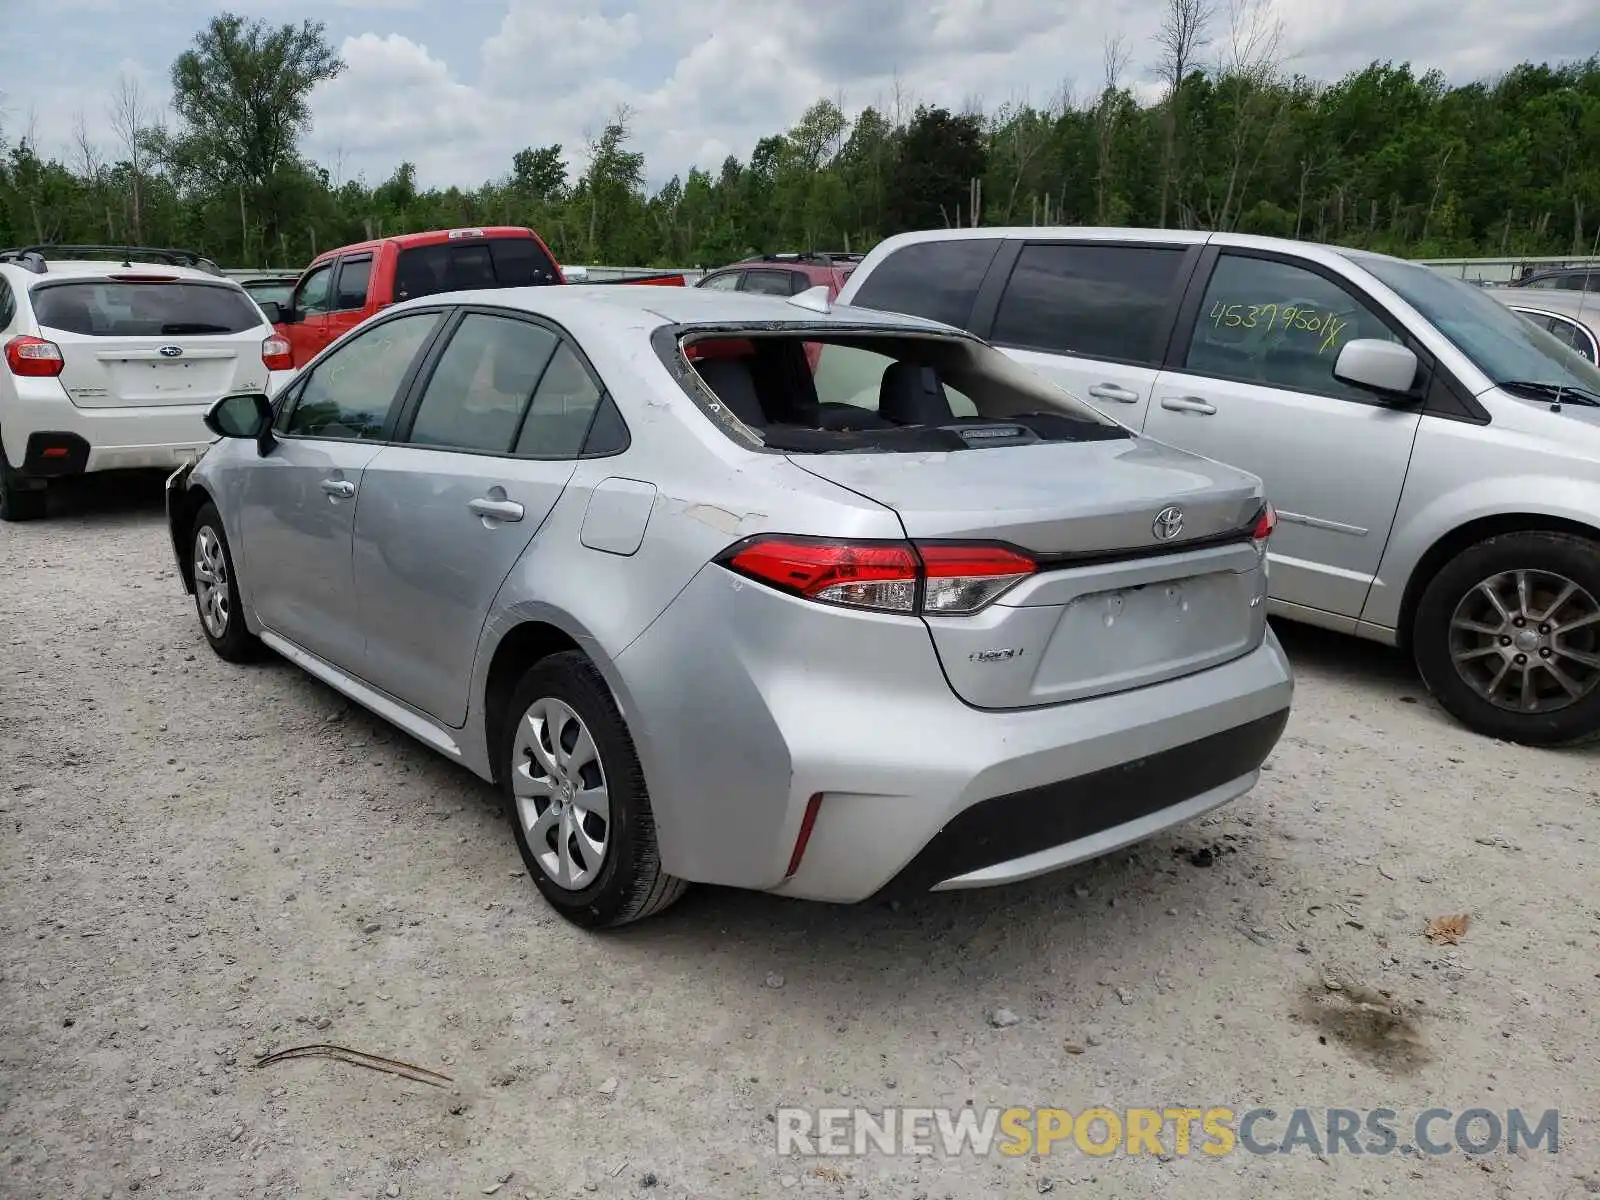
point(1502, 344)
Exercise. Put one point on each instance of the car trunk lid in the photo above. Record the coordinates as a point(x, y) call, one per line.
point(1147, 570)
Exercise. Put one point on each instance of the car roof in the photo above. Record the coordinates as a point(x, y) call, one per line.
point(466, 234)
point(89, 268)
point(596, 309)
point(1551, 300)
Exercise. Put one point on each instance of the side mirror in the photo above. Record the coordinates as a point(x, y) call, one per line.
point(1387, 368)
point(288, 314)
point(273, 310)
point(243, 415)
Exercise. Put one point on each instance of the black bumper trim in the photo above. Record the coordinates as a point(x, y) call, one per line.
point(74, 462)
point(1009, 827)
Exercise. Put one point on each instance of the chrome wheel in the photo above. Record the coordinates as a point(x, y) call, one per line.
point(1527, 641)
point(560, 790)
point(211, 581)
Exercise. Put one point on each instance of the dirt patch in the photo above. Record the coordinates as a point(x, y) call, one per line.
point(1372, 1025)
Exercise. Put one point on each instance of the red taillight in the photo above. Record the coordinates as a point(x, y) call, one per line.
point(931, 578)
point(33, 357)
point(1265, 524)
point(880, 576)
point(276, 354)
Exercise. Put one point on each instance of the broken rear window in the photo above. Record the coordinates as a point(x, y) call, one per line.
point(815, 392)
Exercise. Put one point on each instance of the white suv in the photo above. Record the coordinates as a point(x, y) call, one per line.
point(113, 363)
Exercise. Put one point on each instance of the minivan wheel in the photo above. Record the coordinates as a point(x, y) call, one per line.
point(216, 591)
point(576, 797)
point(1507, 638)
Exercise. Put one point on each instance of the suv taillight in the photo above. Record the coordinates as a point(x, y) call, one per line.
point(276, 354)
point(1265, 524)
point(34, 357)
point(923, 578)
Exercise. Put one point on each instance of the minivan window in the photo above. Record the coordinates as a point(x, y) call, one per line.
point(1098, 301)
point(109, 309)
point(1499, 342)
point(1272, 323)
point(938, 280)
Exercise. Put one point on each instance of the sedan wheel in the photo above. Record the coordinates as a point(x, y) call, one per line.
point(1507, 637)
point(211, 582)
point(560, 786)
point(576, 796)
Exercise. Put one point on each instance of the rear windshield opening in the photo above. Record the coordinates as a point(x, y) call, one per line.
point(469, 264)
point(103, 308)
point(817, 392)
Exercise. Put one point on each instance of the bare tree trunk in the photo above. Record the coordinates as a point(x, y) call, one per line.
point(1115, 59)
point(1577, 225)
point(130, 118)
point(1180, 38)
point(1438, 186)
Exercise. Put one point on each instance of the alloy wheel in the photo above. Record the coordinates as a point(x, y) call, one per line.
point(211, 581)
point(1527, 641)
point(560, 789)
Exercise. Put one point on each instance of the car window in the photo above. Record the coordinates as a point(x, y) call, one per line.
point(1279, 325)
point(1578, 281)
point(348, 394)
point(479, 390)
point(726, 282)
point(562, 408)
point(1570, 333)
point(446, 267)
point(104, 308)
point(938, 280)
point(1098, 301)
point(8, 304)
point(351, 291)
point(851, 375)
point(774, 283)
point(315, 293)
point(520, 262)
point(1502, 344)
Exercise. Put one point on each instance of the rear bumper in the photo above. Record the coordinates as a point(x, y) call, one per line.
point(745, 704)
point(112, 438)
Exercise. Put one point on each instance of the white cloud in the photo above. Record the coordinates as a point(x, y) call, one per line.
point(458, 89)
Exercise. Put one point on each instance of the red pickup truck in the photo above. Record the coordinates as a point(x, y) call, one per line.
point(343, 287)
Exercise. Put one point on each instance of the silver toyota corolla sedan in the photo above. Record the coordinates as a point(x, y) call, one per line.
point(746, 590)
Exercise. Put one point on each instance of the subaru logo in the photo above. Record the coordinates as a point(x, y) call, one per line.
point(171, 352)
point(1168, 523)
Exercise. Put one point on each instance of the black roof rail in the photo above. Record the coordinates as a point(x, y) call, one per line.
point(34, 258)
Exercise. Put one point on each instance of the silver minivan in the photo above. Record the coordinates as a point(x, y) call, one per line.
point(1434, 458)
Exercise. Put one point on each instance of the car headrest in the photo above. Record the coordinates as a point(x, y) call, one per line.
point(911, 394)
point(733, 384)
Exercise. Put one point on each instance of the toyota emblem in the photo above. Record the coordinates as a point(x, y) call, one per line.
point(171, 352)
point(1168, 523)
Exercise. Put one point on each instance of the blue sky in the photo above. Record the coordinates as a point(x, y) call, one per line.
point(459, 87)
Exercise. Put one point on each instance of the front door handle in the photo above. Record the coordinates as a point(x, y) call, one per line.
point(1111, 391)
point(496, 510)
point(1192, 404)
point(339, 487)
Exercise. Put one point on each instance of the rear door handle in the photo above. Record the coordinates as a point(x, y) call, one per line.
point(1111, 391)
point(496, 510)
point(1192, 404)
point(339, 487)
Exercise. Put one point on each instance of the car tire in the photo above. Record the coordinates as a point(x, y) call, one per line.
point(216, 590)
point(1494, 606)
point(564, 739)
point(18, 503)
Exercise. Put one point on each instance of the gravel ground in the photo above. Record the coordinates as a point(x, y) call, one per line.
point(202, 863)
